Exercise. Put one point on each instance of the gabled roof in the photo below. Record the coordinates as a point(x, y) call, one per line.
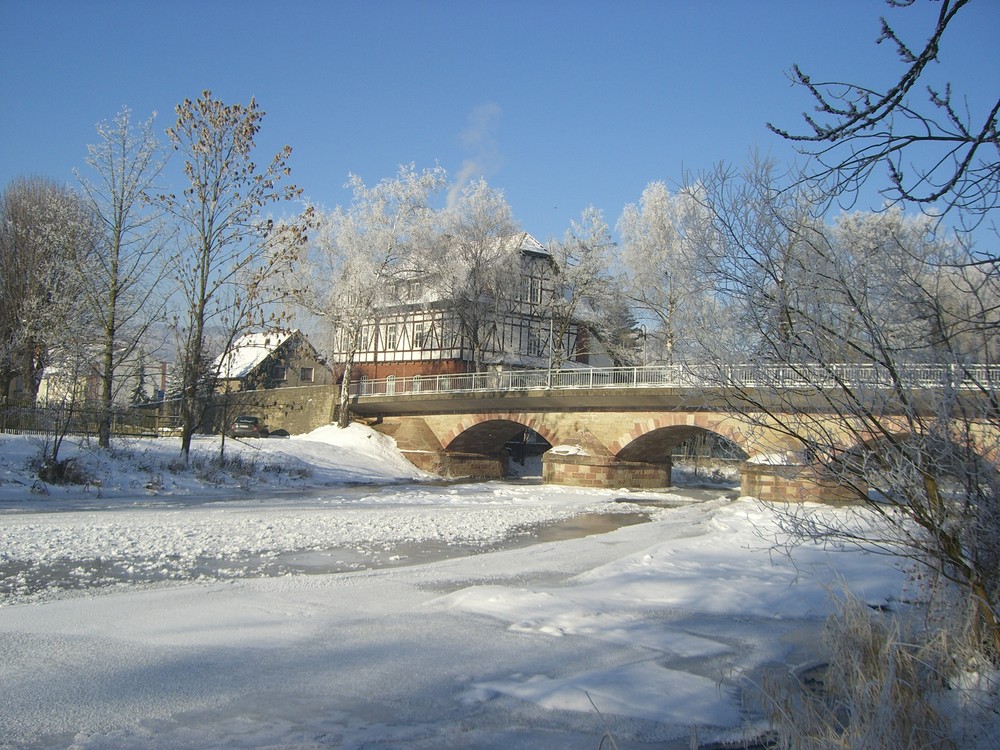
point(531, 246)
point(522, 242)
point(247, 353)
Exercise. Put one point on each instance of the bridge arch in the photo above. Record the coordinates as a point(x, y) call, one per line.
point(657, 445)
point(476, 445)
point(487, 433)
point(660, 434)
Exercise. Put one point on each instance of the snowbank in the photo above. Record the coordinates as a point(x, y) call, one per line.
point(138, 470)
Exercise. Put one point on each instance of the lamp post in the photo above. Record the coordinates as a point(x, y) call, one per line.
point(548, 377)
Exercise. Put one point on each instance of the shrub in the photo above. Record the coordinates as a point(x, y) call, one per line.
point(67, 471)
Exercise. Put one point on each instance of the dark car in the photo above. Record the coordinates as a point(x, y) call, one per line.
point(245, 426)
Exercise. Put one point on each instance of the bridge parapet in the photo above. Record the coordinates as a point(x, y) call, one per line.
point(683, 376)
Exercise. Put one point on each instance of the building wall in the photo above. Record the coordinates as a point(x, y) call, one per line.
point(381, 370)
point(295, 410)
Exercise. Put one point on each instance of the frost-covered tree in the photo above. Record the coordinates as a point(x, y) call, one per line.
point(753, 270)
point(660, 263)
point(479, 265)
point(584, 288)
point(44, 227)
point(230, 251)
point(361, 253)
point(121, 279)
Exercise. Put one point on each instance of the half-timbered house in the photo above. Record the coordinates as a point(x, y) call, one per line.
point(424, 332)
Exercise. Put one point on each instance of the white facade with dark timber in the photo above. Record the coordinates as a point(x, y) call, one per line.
point(424, 333)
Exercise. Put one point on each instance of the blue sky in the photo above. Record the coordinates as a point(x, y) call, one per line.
point(560, 104)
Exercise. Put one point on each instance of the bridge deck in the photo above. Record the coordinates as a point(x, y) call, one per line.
point(674, 386)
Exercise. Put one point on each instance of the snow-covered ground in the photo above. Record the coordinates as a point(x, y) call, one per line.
point(296, 608)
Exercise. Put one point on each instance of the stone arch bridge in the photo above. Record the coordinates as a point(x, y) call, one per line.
point(611, 427)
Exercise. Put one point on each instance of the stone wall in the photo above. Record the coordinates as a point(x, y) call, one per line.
point(455, 465)
point(294, 410)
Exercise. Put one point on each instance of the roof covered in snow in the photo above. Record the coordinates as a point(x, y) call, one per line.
point(247, 353)
point(528, 244)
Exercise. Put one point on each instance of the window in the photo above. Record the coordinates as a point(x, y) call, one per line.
point(414, 291)
point(419, 336)
point(280, 373)
point(531, 289)
point(535, 347)
point(367, 336)
point(306, 375)
point(390, 337)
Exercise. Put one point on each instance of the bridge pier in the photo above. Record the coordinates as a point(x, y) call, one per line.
point(793, 483)
point(604, 471)
point(584, 461)
point(456, 465)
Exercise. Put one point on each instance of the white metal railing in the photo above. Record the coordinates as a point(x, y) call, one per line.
point(688, 376)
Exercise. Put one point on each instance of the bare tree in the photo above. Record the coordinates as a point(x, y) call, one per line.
point(934, 148)
point(121, 279)
point(881, 385)
point(361, 254)
point(230, 250)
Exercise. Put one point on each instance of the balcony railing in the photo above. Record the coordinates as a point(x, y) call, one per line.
point(966, 377)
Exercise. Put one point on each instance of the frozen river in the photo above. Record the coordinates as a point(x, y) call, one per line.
point(403, 614)
point(96, 545)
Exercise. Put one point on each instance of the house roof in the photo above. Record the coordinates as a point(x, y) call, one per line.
point(530, 245)
point(521, 241)
point(247, 352)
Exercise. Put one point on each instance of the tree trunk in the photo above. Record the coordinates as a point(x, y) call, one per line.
point(344, 410)
point(104, 427)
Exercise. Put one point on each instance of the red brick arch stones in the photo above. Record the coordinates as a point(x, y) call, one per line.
point(554, 433)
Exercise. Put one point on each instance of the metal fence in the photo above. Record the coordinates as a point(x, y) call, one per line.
point(688, 376)
point(49, 420)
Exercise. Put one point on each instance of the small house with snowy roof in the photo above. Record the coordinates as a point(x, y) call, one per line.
point(279, 358)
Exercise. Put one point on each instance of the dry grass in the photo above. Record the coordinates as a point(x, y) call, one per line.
point(882, 688)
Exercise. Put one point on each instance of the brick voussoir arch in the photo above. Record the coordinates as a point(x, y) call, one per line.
point(530, 421)
point(720, 424)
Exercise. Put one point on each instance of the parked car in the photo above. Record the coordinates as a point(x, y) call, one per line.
point(246, 426)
